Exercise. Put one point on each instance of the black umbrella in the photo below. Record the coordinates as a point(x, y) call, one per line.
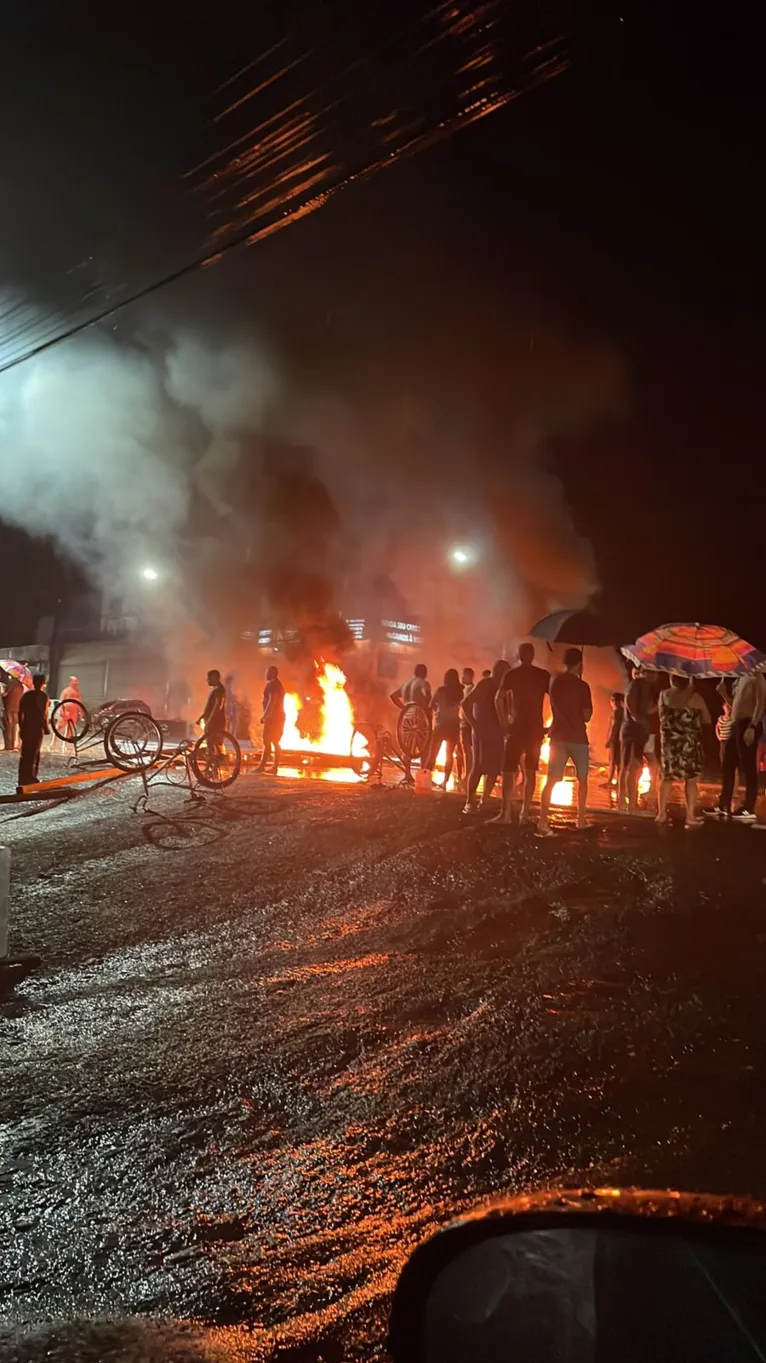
point(584, 628)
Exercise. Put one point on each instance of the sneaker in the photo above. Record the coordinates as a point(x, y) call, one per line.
point(744, 816)
point(716, 813)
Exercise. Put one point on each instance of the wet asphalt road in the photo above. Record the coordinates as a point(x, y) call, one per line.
point(278, 1037)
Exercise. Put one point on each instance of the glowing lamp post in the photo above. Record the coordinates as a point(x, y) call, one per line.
point(463, 556)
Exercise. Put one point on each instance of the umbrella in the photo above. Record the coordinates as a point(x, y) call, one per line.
point(582, 627)
point(18, 670)
point(695, 650)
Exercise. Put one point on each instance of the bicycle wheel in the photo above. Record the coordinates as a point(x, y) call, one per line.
point(70, 721)
point(365, 749)
point(133, 741)
point(216, 764)
point(175, 767)
point(413, 730)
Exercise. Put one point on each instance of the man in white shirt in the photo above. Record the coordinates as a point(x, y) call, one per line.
point(416, 691)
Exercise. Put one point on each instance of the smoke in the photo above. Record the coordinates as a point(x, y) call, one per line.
point(417, 472)
point(104, 446)
point(256, 492)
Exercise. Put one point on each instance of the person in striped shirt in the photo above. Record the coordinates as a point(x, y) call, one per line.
point(748, 705)
point(724, 726)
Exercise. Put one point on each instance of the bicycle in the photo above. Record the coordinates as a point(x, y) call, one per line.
point(214, 765)
point(413, 730)
point(131, 737)
point(371, 747)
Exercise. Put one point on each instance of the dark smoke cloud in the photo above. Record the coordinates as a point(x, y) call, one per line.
point(261, 493)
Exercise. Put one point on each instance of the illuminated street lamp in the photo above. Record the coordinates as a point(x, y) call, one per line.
point(462, 556)
point(149, 574)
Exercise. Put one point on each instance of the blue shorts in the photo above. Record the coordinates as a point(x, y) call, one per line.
point(561, 753)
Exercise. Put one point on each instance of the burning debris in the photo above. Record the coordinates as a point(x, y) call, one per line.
point(332, 726)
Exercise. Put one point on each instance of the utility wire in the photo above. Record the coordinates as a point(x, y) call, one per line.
point(250, 232)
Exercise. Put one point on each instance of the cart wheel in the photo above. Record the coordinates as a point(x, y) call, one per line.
point(216, 765)
point(413, 731)
point(365, 749)
point(70, 721)
point(133, 741)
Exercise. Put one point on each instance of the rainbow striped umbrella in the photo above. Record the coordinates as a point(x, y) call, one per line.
point(18, 670)
point(695, 651)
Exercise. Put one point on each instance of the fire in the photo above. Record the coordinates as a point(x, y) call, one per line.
point(337, 722)
point(563, 791)
point(644, 781)
point(337, 715)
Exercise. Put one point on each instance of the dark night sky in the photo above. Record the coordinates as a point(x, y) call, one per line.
point(625, 196)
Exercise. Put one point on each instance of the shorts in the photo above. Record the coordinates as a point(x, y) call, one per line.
point(634, 741)
point(273, 730)
point(561, 753)
point(518, 745)
point(487, 752)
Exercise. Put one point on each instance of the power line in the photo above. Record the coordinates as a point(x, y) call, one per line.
point(251, 232)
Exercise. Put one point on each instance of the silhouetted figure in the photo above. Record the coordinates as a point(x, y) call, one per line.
point(571, 708)
point(11, 701)
point(33, 725)
point(273, 720)
point(465, 751)
point(213, 717)
point(519, 704)
point(488, 742)
point(446, 707)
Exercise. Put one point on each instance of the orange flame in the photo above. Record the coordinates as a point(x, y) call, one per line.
point(337, 721)
point(563, 791)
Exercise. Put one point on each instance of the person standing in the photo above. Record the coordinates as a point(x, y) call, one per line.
point(416, 691)
point(446, 709)
point(213, 717)
point(640, 706)
point(747, 710)
point(465, 751)
point(571, 708)
point(614, 738)
point(724, 725)
point(33, 724)
point(273, 721)
point(682, 714)
point(68, 713)
point(488, 742)
point(12, 695)
point(519, 703)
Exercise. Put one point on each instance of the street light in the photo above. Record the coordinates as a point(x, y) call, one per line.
point(149, 574)
point(463, 556)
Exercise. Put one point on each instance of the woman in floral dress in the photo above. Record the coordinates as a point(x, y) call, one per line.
point(682, 714)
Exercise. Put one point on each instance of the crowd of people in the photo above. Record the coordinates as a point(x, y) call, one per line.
point(664, 729)
point(25, 722)
point(496, 726)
